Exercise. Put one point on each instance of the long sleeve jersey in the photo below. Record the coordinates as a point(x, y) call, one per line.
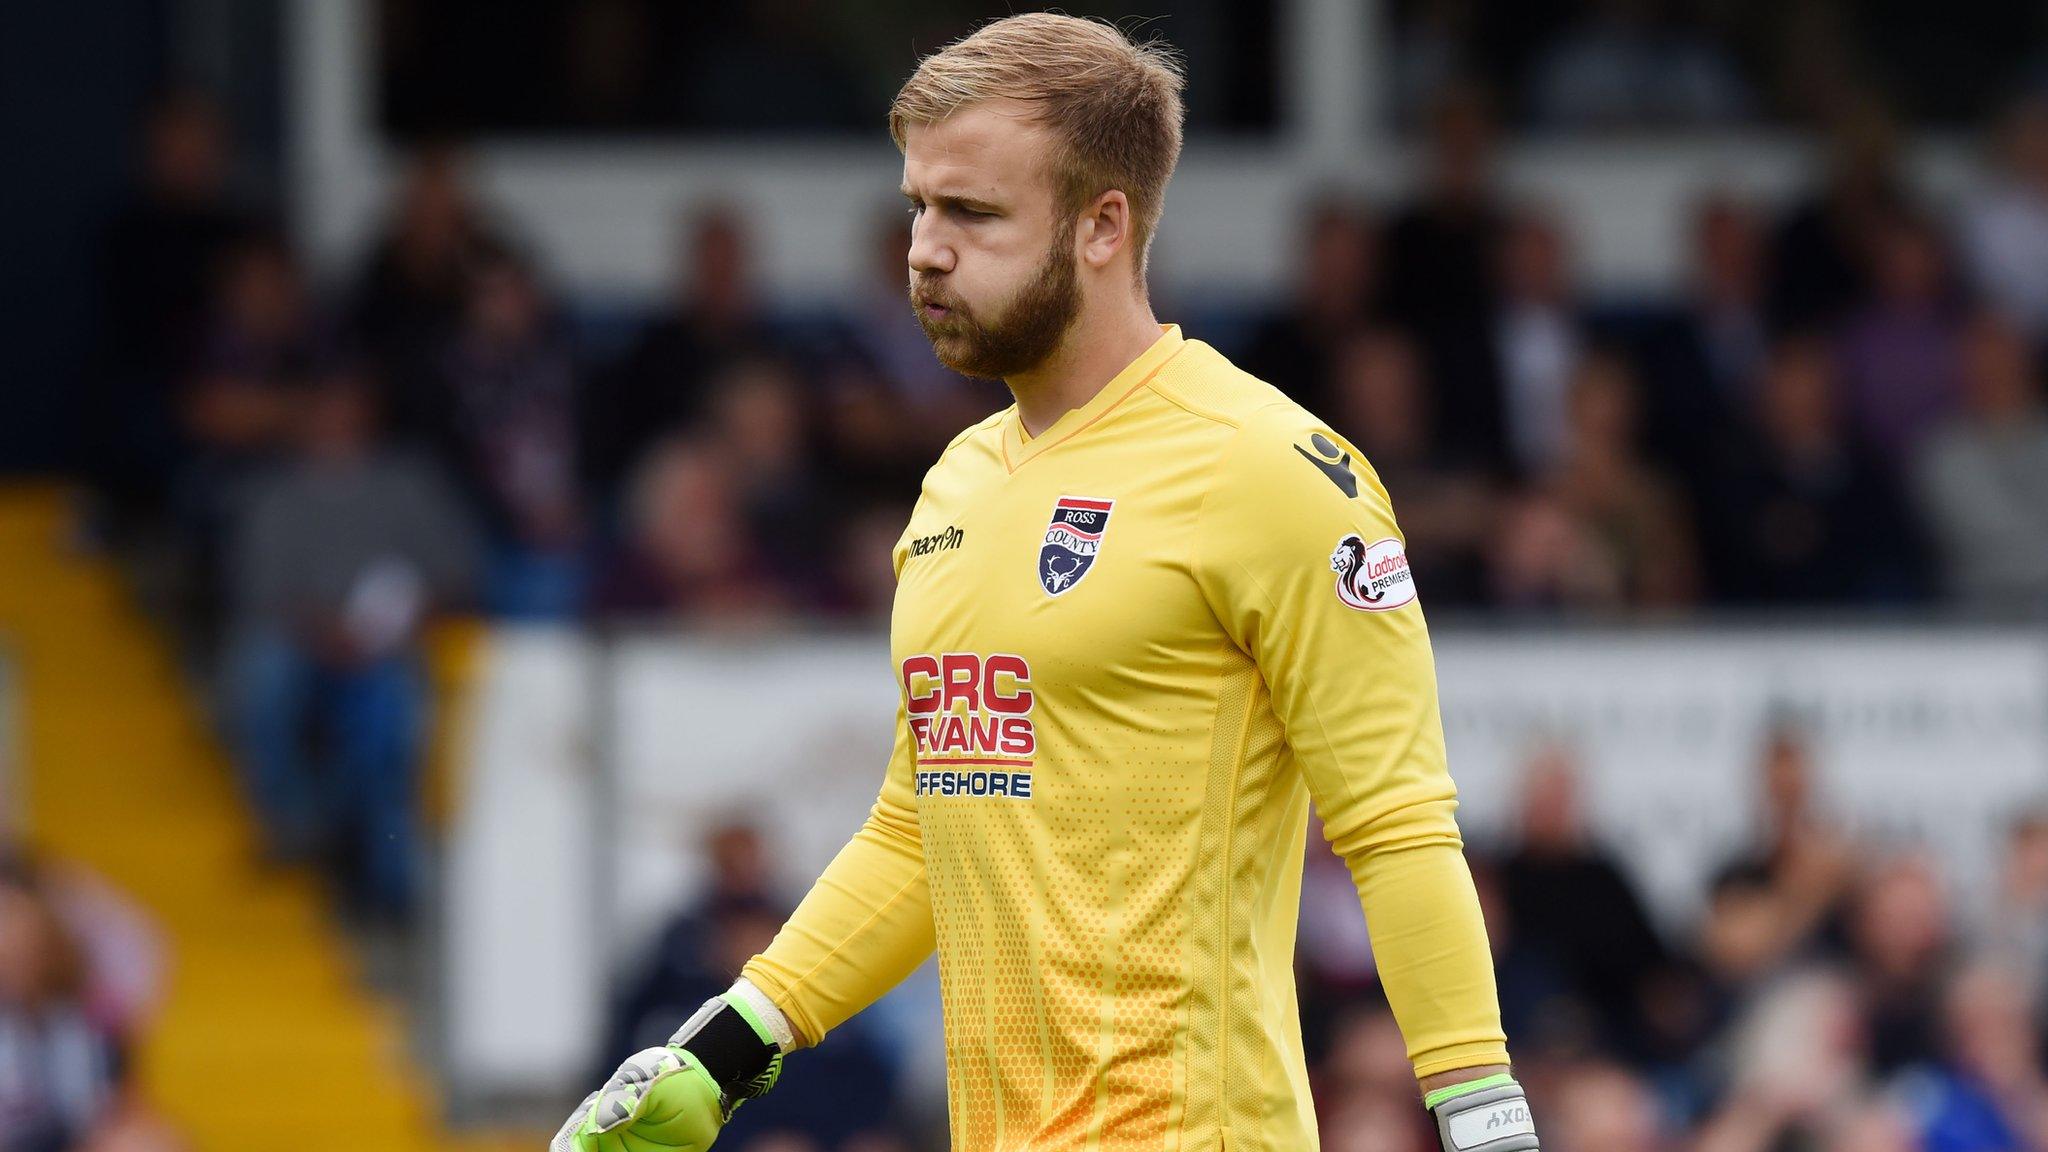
point(1130, 651)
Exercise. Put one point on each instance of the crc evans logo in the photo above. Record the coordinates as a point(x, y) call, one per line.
point(970, 719)
point(1372, 577)
point(1072, 541)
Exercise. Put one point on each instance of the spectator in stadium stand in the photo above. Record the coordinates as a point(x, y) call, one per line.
point(1440, 252)
point(1901, 365)
point(1880, 1125)
point(2016, 924)
point(1982, 478)
point(661, 386)
point(1572, 903)
point(847, 1086)
point(408, 298)
point(1536, 998)
point(1744, 937)
point(1546, 559)
point(760, 419)
point(1821, 245)
point(1336, 291)
point(1603, 1107)
point(867, 438)
point(1988, 1091)
point(340, 559)
point(1701, 368)
point(501, 412)
point(158, 268)
point(1803, 860)
point(64, 1080)
point(257, 348)
point(1537, 339)
point(867, 559)
point(1624, 508)
point(1450, 506)
point(697, 948)
point(1805, 513)
point(688, 553)
point(117, 941)
point(2003, 230)
point(1794, 1065)
point(1900, 943)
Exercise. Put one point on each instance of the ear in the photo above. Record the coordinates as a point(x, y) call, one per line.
point(1105, 229)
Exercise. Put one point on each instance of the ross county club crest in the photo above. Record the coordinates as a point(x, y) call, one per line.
point(1072, 541)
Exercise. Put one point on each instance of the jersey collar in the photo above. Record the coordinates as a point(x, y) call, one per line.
point(1019, 448)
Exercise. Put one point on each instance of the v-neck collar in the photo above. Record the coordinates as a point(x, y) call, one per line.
point(1018, 449)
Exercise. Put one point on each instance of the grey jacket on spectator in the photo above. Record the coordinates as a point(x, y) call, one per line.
point(315, 533)
point(1985, 491)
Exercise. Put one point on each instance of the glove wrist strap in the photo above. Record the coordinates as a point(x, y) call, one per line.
point(733, 1046)
point(766, 1018)
point(1486, 1115)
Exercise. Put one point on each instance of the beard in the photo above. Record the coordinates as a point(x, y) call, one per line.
point(1020, 337)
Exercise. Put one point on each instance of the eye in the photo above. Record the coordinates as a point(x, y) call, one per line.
point(916, 207)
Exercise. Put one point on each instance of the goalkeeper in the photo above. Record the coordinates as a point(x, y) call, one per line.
point(1143, 616)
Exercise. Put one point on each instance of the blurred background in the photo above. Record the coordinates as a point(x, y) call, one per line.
point(430, 424)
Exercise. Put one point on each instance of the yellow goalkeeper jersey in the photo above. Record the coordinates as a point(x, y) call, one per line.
point(1130, 651)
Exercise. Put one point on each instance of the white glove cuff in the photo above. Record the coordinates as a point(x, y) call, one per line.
point(778, 1024)
point(1492, 1119)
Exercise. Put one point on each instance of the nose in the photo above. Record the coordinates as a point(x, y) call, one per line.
point(928, 251)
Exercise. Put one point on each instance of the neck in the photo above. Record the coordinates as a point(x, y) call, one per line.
point(1097, 347)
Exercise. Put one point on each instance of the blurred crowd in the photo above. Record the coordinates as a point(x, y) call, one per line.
point(80, 969)
point(1817, 992)
point(1842, 407)
point(1829, 993)
point(303, 476)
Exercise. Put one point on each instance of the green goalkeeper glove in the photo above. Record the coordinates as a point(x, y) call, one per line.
point(1486, 1115)
point(679, 1097)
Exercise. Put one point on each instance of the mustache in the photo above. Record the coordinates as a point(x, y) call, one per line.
point(923, 292)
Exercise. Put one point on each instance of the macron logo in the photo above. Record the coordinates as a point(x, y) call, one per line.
point(940, 541)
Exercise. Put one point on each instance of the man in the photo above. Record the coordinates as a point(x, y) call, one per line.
point(339, 559)
point(1142, 616)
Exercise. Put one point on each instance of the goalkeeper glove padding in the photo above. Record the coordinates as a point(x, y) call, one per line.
point(1486, 1115)
point(679, 1096)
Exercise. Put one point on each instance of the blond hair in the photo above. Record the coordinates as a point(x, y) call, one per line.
point(1113, 105)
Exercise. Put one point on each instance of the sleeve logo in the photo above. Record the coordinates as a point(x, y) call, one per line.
point(1332, 462)
point(1072, 541)
point(1372, 577)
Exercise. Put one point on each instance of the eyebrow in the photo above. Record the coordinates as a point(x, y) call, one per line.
point(973, 202)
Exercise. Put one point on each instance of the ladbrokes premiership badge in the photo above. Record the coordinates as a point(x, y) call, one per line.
point(1072, 541)
point(1372, 577)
